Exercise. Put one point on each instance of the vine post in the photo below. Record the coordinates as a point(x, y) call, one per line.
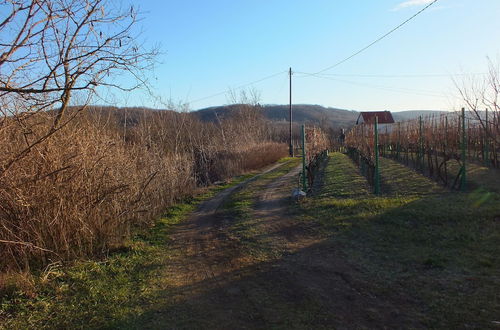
point(420, 145)
point(399, 142)
point(486, 142)
point(304, 175)
point(445, 149)
point(377, 169)
point(463, 170)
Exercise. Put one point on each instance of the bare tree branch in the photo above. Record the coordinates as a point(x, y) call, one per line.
point(51, 49)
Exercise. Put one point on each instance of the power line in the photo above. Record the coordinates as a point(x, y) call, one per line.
point(325, 69)
point(238, 87)
point(424, 75)
point(377, 40)
point(282, 84)
point(386, 88)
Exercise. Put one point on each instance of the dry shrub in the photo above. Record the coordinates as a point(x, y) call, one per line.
point(316, 142)
point(79, 192)
point(234, 162)
point(258, 156)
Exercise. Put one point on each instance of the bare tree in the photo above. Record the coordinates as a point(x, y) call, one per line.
point(247, 116)
point(481, 95)
point(251, 97)
point(52, 50)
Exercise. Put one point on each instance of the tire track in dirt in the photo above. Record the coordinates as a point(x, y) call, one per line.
point(277, 191)
point(272, 208)
point(204, 250)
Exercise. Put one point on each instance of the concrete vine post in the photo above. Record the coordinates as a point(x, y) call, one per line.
point(486, 142)
point(463, 170)
point(420, 145)
point(377, 169)
point(399, 142)
point(304, 173)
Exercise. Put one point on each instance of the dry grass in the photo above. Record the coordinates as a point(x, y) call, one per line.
point(81, 191)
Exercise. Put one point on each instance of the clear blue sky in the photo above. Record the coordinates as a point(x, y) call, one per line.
point(210, 46)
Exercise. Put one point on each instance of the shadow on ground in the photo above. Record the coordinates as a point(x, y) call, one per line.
point(310, 288)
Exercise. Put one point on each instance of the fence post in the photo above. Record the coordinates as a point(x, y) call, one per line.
point(399, 142)
point(463, 178)
point(377, 173)
point(386, 143)
point(486, 143)
point(420, 145)
point(445, 149)
point(304, 174)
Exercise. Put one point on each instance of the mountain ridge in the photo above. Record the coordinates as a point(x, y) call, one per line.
point(307, 114)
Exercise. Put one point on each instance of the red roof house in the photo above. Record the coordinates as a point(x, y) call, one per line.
point(368, 117)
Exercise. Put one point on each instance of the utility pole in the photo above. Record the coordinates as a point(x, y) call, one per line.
point(290, 113)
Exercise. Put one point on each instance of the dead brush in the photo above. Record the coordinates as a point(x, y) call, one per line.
point(81, 191)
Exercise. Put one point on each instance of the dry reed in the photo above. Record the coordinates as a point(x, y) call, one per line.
point(81, 191)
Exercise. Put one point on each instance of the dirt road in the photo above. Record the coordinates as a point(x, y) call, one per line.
point(204, 248)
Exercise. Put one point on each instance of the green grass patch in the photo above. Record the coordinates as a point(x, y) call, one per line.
point(397, 179)
point(478, 176)
point(436, 247)
point(342, 179)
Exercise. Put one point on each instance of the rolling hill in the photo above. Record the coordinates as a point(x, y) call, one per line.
point(308, 114)
point(302, 114)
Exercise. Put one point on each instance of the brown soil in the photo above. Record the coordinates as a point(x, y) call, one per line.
point(303, 281)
